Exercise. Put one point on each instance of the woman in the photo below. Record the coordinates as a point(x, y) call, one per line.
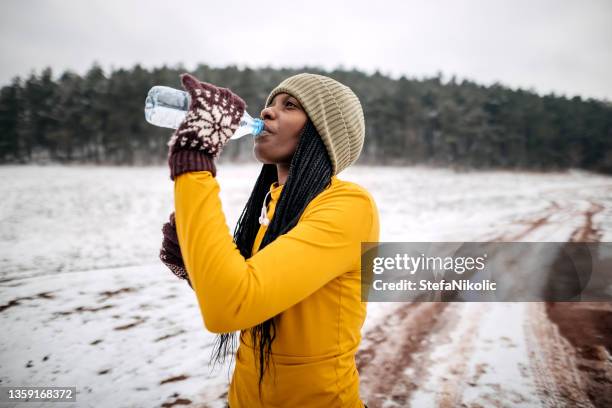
point(289, 280)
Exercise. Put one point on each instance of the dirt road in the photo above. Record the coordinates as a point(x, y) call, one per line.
point(553, 354)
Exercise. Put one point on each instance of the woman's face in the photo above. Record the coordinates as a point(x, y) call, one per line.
point(284, 120)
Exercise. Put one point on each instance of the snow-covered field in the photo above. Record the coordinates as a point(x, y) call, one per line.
point(85, 302)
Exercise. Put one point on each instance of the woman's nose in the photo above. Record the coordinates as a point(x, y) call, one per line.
point(267, 113)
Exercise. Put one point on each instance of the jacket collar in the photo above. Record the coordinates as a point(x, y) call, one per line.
point(275, 191)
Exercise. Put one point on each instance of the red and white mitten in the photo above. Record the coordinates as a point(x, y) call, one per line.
point(170, 252)
point(213, 117)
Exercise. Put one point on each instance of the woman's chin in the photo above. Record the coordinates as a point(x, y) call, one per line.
point(261, 155)
point(270, 154)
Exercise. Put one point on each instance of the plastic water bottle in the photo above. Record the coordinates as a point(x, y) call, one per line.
point(167, 107)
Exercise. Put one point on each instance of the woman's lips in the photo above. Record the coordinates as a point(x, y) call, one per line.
point(267, 129)
point(261, 135)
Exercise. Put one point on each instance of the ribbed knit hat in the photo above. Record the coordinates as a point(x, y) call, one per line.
point(334, 110)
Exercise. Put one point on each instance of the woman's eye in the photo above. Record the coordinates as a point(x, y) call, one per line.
point(291, 103)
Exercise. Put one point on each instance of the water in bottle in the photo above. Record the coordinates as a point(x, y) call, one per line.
point(167, 107)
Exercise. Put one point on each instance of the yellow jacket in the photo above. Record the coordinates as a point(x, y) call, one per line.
point(310, 277)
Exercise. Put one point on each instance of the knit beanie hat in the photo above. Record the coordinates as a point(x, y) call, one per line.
point(334, 110)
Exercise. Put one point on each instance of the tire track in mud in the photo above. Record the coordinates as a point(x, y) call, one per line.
point(553, 362)
point(532, 224)
point(440, 371)
point(399, 357)
point(586, 330)
point(452, 389)
point(582, 333)
point(392, 343)
point(588, 232)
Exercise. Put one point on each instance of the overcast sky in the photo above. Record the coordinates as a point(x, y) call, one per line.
point(558, 45)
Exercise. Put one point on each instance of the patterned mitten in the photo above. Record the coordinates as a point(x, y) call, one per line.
point(170, 252)
point(213, 117)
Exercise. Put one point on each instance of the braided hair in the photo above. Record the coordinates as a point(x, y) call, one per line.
point(310, 173)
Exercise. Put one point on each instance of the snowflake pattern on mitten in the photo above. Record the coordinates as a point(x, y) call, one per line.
point(212, 119)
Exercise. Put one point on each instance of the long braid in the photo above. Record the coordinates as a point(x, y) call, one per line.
point(245, 232)
point(310, 173)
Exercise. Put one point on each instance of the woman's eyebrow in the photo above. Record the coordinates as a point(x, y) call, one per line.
point(294, 99)
point(287, 97)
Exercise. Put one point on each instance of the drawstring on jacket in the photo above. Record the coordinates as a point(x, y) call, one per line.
point(263, 218)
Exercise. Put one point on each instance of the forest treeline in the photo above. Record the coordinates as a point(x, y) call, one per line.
point(98, 118)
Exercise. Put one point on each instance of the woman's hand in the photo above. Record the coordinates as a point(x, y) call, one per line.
point(170, 252)
point(213, 117)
